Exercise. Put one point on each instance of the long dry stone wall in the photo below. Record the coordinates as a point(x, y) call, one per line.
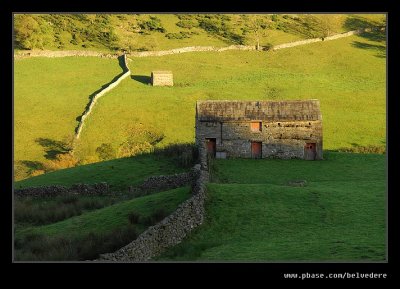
point(174, 228)
point(238, 47)
point(150, 185)
point(100, 94)
point(49, 53)
point(307, 41)
point(158, 183)
point(52, 191)
point(64, 53)
point(190, 49)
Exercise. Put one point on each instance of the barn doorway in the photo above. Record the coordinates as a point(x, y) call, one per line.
point(211, 144)
point(256, 150)
point(310, 151)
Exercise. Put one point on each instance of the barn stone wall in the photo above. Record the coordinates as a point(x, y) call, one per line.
point(285, 127)
point(279, 139)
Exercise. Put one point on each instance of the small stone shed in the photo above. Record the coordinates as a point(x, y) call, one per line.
point(260, 129)
point(162, 78)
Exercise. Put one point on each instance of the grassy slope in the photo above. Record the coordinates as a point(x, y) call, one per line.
point(348, 80)
point(112, 217)
point(123, 28)
point(49, 94)
point(119, 173)
point(340, 215)
point(157, 40)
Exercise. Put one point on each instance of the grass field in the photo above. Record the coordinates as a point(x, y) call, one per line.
point(347, 75)
point(119, 173)
point(111, 32)
point(253, 215)
point(94, 225)
point(113, 216)
point(49, 95)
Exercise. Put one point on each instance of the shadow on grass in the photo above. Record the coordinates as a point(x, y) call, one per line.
point(377, 33)
point(380, 49)
point(32, 165)
point(122, 63)
point(173, 158)
point(24, 168)
point(142, 79)
point(53, 148)
point(357, 22)
point(360, 149)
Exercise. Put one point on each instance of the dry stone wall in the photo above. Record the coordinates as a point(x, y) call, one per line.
point(52, 191)
point(158, 183)
point(307, 41)
point(100, 94)
point(174, 228)
point(190, 49)
point(150, 185)
point(49, 53)
point(64, 53)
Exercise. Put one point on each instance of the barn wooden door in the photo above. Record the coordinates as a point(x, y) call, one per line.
point(256, 150)
point(310, 151)
point(211, 144)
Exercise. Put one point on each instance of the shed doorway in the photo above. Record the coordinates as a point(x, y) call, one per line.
point(211, 144)
point(256, 150)
point(310, 151)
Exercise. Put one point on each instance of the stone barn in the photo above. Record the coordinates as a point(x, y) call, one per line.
point(162, 78)
point(260, 129)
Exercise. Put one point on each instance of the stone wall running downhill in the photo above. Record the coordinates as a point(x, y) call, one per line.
point(174, 228)
point(55, 190)
point(100, 94)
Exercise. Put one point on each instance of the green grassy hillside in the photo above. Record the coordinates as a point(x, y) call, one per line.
point(114, 216)
point(104, 230)
point(49, 95)
point(347, 75)
point(119, 173)
point(135, 32)
point(252, 214)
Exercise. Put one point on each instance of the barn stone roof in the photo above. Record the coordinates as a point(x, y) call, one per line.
point(236, 110)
